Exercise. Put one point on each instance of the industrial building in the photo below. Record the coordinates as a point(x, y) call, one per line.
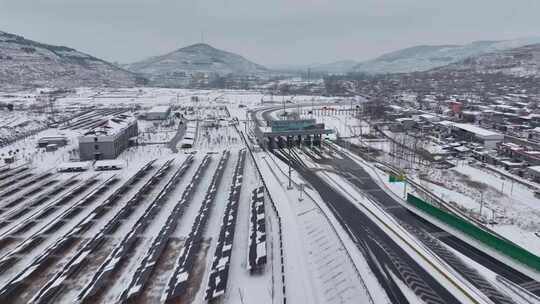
point(59, 141)
point(534, 173)
point(108, 140)
point(487, 138)
point(158, 113)
point(469, 132)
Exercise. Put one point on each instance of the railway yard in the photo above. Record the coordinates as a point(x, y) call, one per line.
point(223, 219)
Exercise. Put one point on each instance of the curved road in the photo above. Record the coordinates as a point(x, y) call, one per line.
point(382, 254)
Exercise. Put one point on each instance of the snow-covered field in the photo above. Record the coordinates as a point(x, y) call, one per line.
point(70, 236)
point(513, 206)
point(68, 201)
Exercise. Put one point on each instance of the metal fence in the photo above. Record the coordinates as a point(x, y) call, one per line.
point(503, 246)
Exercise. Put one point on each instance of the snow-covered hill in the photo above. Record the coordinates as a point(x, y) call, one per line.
point(25, 63)
point(197, 58)
point(518, 62)
point(427, 57)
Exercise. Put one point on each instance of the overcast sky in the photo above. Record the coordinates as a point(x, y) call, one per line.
point(266, 31)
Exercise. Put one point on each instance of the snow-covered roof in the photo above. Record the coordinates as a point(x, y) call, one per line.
point(113, 126)
point(471, 113)
point(109, 163)
point(429, 117)
point(535, 169)
point(477, 130)
point(461, 149)
point(445, 123)
point(159, 109)
point(404, 119)
point(74, 165)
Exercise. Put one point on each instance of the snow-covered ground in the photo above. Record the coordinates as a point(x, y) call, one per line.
point(513, 206)
point(510, 208)
point(322, 263)
point(264, 287)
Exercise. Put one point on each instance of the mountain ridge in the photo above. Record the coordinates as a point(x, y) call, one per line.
point(522, 61)
point(27, 63)
point(181, 63)
point(426, 57)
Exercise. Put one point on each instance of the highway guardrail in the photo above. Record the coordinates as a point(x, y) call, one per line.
point(501, 245)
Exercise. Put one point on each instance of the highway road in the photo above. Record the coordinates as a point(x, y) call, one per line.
point(386, 259)
point(379, 249)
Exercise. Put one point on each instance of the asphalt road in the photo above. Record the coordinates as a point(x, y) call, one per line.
point(432, 236)
point(387, 260)
point(429, 234)
point(178, 137)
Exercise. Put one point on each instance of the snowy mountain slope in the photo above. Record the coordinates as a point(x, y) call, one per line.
point(25, 63)
point(518, 62)
point(197, 58)
point(427, 57)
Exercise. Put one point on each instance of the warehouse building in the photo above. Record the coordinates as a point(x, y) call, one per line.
point(109, 139)
point(158, 113)
point(469, 132)
point(59, 141)
point(487, 138)
point(534, 173)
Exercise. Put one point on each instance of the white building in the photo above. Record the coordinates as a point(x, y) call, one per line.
point(158, 113)
point(108, 140)
point(486, 137)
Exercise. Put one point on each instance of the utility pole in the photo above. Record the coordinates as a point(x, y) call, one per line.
point(481, 203)
point(290, 160)
point(404, 186)
point(283, 100)
point(246, 122)
point(512, 188)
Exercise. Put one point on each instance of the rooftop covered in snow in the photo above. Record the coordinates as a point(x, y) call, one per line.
point(112, 126)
